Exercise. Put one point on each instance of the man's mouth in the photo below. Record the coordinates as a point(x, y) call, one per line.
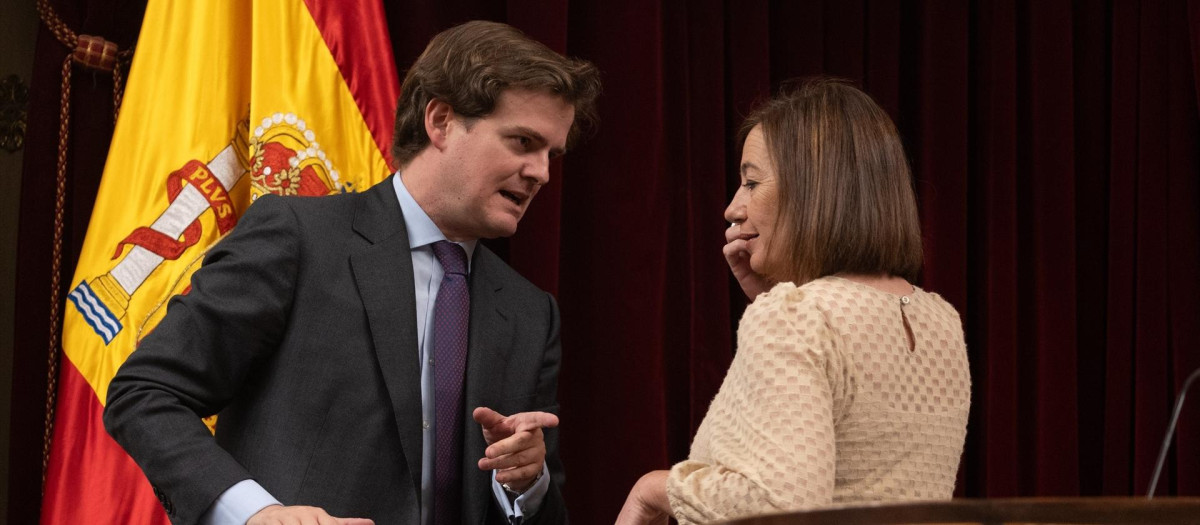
point(516, 199)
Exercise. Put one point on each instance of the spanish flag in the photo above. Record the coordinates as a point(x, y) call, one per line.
point(227, 100)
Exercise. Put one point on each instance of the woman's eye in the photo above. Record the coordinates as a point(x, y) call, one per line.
point(750, 184)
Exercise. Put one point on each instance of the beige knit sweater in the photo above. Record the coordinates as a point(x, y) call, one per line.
point(827, 402)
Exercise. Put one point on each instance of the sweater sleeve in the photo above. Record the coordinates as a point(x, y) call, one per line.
point(767, 441)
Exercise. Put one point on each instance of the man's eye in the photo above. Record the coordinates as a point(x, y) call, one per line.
point(522, 141)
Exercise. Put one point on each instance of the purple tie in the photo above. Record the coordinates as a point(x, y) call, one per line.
point(450, 317)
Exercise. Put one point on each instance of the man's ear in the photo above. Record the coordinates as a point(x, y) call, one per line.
point(438, 115)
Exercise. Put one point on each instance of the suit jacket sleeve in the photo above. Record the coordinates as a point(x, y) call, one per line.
point(194, 362)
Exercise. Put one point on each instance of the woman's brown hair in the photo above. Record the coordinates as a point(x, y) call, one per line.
point(846, 201)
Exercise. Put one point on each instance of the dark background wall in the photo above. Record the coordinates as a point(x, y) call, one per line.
point(18, 28)
point(1054, 146)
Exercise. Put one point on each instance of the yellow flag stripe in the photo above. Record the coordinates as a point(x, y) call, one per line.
point(231, 90)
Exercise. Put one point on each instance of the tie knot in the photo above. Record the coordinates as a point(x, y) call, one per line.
point(452, 257)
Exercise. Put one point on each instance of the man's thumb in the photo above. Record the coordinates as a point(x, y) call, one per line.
point(487, 417)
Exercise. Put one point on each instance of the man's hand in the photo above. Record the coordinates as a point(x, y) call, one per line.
point(647, 501)
point(296, 515)
point(738, 258)
point(516, 446)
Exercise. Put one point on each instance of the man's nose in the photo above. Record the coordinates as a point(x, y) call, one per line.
point(538, 169)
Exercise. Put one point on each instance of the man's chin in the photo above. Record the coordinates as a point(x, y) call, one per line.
point(496, 231)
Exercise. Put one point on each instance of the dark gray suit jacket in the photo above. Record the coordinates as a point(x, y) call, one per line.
point(300, 331)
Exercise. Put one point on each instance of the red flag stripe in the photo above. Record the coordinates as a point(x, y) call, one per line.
point(357, 35)
point(80, 440)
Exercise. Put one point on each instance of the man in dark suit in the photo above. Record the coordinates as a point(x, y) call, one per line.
point(361, 349)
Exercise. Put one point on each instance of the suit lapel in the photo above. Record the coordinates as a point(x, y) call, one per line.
point(488, 344)
point(384, 275)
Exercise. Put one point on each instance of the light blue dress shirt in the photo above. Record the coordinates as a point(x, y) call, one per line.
point(241, 501)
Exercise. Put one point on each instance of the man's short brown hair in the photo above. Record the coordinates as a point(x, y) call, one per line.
point(468, 66)
point(846, 201)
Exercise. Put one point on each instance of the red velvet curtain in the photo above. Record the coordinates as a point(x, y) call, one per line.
point(90, 130)
point(1056, 148)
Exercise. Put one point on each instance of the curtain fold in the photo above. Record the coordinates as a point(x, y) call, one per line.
point(90, 130)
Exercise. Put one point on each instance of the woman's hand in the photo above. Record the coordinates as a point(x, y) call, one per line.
point(647, 502)
point(738, 258)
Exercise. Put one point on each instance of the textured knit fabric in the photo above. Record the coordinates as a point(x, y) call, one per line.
point(839, 393)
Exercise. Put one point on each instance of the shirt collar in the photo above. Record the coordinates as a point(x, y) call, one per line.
point(421, 229)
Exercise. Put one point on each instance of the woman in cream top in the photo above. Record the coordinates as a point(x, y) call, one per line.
point(849, 384)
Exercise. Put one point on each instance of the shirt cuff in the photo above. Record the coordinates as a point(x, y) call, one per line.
point(238, 503)
point(528, 503)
